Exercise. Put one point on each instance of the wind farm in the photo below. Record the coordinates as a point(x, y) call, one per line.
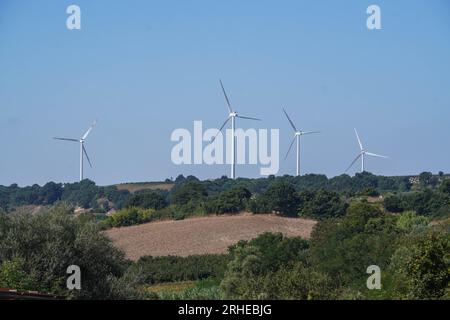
point(247, 151)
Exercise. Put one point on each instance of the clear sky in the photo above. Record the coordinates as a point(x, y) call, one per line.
point(145, 68)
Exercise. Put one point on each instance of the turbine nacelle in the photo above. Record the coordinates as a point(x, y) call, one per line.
point(297, 135)
point(363, 153)
point(232, 114)
point(83, 151)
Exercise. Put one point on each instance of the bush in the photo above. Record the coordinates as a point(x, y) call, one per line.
point(129, 216)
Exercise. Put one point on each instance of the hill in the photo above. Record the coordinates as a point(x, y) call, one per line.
point(137, 186)
point(202, 235)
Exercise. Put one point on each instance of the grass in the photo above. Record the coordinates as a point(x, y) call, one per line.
point(207, 289)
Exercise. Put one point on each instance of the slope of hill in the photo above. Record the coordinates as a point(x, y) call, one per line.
point(136, 186)
point(202, 235)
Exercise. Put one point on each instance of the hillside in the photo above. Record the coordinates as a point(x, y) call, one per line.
point(137, 186)
point(201, 235)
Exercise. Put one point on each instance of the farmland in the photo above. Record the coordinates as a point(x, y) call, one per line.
point(202, 235)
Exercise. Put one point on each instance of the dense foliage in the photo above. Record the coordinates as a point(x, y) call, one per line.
point(426, 202)
point(84, 194)
point(321, 204)
point(35, 252)
point(153, 270)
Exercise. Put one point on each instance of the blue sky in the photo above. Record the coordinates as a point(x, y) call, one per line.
point(145, 68)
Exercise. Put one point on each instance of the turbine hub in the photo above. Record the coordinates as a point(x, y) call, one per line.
point(233, 114)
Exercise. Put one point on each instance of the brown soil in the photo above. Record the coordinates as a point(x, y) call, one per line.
point(202, 235)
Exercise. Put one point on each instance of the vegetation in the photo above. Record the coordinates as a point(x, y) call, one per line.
point(321, 204)
point(129, 216)
point(390, 222)
point(84, 194)
point(35, 252)
point(154, 270)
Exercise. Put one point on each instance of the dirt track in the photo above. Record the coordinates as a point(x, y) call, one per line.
point(202, 235)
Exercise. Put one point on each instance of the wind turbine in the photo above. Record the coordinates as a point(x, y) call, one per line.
point(232, 115)
point(82, 148)
point(363, 153)
point(297, 135)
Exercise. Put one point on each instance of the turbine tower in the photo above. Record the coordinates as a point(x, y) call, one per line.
point(297, 136)
point(82, 148)
point(362, 154)
point(233, 114)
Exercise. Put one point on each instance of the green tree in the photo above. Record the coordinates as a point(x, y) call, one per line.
point(422, 266)
point(147, 200)
point(229, 201)
point(321, 204)
point(51, 241)
point(14, 276)
point(191, 191)
point(283, 198)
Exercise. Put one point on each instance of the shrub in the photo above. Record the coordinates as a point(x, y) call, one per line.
point(129, 216)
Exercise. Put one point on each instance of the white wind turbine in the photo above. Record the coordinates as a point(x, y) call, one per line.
point(363, 153)
point(297, 135)
point(82, 148)
point(232, 115)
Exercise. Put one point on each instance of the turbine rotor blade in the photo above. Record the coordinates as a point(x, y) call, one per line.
point(290, 121)
point(67, 139)
point(356, 159)
point(376, 155)
point(249, 118)
point(223, 125)
point(89, 130)
point(87, 157)
point(359, 140)
point(226, 97)
point(310, 132)
point(290, 147)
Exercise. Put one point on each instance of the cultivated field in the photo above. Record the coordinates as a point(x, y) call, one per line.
point(133, 187)
point(201, 235)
